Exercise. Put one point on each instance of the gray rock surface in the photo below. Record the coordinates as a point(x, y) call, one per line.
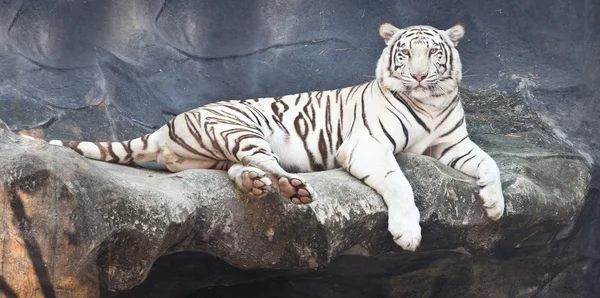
point(118, 220)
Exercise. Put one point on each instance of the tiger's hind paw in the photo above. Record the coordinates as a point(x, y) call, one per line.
point(296, 189)
point(254, 182)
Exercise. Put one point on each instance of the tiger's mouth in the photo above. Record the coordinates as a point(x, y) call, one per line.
point(419, 87)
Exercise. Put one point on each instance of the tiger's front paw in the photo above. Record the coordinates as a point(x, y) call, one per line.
point(404, 227)
point(491, 191)
point(493, 201)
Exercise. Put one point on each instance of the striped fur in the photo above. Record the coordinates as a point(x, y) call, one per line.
point(413, 105)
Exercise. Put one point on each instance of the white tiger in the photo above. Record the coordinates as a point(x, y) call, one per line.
point(413, 105)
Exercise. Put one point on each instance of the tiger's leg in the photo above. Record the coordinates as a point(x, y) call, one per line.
point(468, 158)
point(375, 165)
point(177, 163)
point(250, 180)
point(260, 155)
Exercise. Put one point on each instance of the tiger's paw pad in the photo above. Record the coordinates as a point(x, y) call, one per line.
point(296, 189)
point(255, 182)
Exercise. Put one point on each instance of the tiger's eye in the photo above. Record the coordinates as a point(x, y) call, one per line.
point(433, 51)
point(405, 52)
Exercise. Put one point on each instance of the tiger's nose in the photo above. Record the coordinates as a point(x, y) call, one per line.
point(419, 77)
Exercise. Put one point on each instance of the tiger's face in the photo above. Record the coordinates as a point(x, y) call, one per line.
point(420, 61)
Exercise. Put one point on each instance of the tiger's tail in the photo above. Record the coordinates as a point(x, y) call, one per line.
point(134, 151)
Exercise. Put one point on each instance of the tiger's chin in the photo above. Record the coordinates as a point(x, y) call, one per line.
point(433, 91)
point(420, 92)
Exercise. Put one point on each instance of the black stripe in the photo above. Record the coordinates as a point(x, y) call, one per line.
point(459, 124)
point(249, 147)
point(261, 151)
point(298, 99)
point(197, 135)
point(350, 157)
point(236, 148)
point(448, 149)
point(101, 149)
point(280, 125)
point(323, 147)
point(311, 157)
point(388, 135)
point(235, 108)
point(318, 96)
point(115, 158)
point(392, 53)
point(404, 130)
point(364, 113)
point(73, 145)
point(353, 119)
point(328, 124)
point(453, 163)
point(127, 148)
point(253, 114)
point(192, 129)
point(443, 120)
point(340, 128)
point(352, 91)
point(399, 98)
point(451, 60)
point(179, 141)
point(391, 104)
point(444, 48)
point(145, 141)
point(447, 115)
point(454, 100)
point(340, 138)
point(463, 164)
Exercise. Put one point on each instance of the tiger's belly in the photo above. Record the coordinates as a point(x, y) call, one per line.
point(314, 153)
point(420, 146)
point(297, 155)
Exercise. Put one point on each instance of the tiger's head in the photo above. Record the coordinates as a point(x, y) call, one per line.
point(420, 61)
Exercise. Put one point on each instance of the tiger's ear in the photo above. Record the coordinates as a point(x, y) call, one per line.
point(387, 31)
point(456, 33)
